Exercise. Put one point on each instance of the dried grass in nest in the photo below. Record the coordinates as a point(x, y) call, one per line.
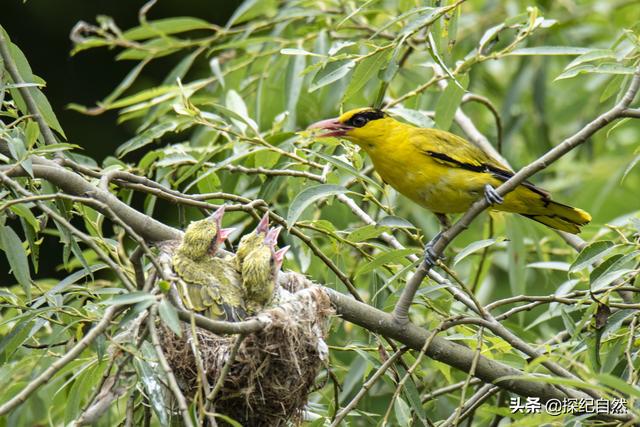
point(274, 369)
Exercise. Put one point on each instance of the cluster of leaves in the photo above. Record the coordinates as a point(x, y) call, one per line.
point(221, 126)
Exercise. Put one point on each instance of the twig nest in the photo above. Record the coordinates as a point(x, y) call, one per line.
point(274, 369)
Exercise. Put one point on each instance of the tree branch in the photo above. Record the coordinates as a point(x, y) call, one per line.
point(450, 353)
point(72, 183)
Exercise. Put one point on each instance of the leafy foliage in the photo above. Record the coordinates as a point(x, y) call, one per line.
point(222, 127)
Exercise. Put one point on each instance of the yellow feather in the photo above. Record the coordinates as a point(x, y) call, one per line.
point(446, 174)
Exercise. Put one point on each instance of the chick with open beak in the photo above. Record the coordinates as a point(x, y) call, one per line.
point(260, 272)
point(209, 285)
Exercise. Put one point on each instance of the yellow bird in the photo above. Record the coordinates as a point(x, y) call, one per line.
point(260, 271)
point(442, 171)
point(251, 241)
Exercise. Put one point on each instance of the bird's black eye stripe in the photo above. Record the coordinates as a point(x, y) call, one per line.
point(360, 119)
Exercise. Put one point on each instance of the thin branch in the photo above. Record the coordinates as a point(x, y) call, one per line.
point(221, 327)
point(274, 172)
point(483, 393)
point(472, 97)
point(631, 112)
point(226, 368)
point(455, 417)
point(173, 384)
point(367, 386)
point(448, 389)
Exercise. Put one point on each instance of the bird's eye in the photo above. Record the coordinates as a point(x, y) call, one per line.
point(359, 121)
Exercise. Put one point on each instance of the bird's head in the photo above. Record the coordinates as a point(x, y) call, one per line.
point(203, 238)
point(364, 126)
point(252, 240)
point(276, 256)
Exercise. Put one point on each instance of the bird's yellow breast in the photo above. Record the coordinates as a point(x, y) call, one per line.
point(400, 163)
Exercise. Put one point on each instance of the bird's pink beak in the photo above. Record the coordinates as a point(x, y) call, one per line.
point(223, 234)
point(278, 257)
point(263, 225)
point(272, 236)
point(217, 216)
point(331, 127)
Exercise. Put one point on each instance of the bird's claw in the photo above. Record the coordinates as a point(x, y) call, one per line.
point(430, 257)
point(492, 196)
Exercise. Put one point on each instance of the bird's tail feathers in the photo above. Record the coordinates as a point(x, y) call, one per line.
point(562, 217)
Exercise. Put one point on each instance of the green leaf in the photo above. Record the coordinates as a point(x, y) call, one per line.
point(398, 256)
point(365, 233)
point(68, 281)
point(152, 382)
point(474, 247)
point(592, 55)
point(236, 104)
point(293, 88)
point(25, 212)
point(308, 196)
point(591, 254)
point(144, 95)
point(229, 420)
point(123, 85)
point(413, 396)
point(617, 384)
point(414, 117)
point(208, 182)
point(331, 72)
point(449, 101)
point(395, 222)
point(348, 168)
point(166, 26)
point(402, 411)
point(605, 68)
point(214, 64)
point(488, 37)
point(129, 299)
point(251, 9)
point(630, 166)
point(616, 270)
point(54, 148)
point(364, 71)
point(169, 316)
point(15, 253)
point(298, 52)
point(146, 137)
point(549, 50)
point(550, 265)
point(24, 69)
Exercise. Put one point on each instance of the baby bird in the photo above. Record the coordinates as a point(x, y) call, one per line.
point(210, 285)
point(260, 272)
point(252, 241)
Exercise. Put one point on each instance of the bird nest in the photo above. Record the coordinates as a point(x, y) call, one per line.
point(274, 369)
